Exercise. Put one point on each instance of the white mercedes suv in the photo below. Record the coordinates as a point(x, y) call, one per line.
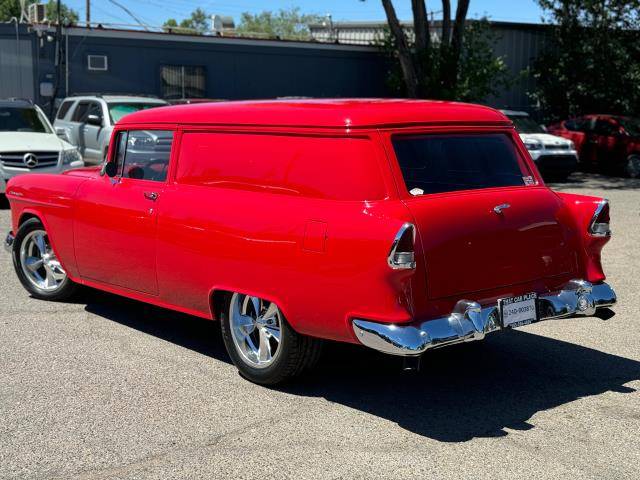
point(555, 157)
point(28, 143)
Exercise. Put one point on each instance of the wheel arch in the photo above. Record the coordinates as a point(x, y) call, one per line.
point(219, 294)
point(28, 215)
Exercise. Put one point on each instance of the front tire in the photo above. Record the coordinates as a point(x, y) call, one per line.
point(37, 266)
point(261, 344)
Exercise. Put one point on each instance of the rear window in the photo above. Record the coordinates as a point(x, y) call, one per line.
point(119, 110)
point(452, 162)
point(321, 167)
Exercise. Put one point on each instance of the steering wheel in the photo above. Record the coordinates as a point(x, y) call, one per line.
point(151, 173)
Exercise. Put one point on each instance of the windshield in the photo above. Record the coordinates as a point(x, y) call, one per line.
point(631, 126)
point(525, 124)
point(119, 110)
point(22, 119)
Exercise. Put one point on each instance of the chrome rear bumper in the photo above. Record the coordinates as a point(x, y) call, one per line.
point(469, 321)
point(8, 242)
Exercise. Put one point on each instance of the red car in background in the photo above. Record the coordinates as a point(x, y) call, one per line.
point(604, 142)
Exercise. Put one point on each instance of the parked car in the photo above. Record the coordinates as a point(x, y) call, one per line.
point(555, 156)
point(399, 225)
point(87, 121)
point(28, 143)
point(186, 101)
point(608, 143)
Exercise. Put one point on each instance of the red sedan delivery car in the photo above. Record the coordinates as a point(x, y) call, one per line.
point(399, 225)
point(604, 142)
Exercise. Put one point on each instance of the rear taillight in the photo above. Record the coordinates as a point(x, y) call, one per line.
point(402, 255)
point(599, 225)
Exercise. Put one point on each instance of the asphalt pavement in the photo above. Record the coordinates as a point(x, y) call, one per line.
point(105, 387)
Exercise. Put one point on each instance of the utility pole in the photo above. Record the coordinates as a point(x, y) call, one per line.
point(88, 13)
point(58, 59)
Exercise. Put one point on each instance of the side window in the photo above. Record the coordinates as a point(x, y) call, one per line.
point(606, 127)
point(80, 113)
point(64, 108)
point(94, 109)
point(147, 154)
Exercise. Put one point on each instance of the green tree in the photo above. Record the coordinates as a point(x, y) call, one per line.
point(69, 15)
point(286, 24)
point(457, 64)
point(592, 61)
point(197, 23)
point(11, 8)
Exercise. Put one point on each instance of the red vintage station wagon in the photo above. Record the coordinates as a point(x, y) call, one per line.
point(400, 225)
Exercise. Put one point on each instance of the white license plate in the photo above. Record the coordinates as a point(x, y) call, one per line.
point(518, 311)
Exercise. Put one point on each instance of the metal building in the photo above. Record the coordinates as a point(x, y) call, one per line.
point(340, 61)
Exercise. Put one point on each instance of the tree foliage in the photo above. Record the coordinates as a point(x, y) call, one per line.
point(592, 61)
point(11, 8)
point(197, 23)
point(287, 24)
point(457, 64)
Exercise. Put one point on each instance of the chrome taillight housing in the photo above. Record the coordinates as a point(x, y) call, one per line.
point(402, 254)
point(599, 225)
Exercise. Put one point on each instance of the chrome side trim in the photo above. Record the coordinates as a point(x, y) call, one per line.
point(592, 230)
point(8, 242)
point(469, 321)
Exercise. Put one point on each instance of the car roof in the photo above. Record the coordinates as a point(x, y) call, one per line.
point(118, 98)
point(16, 103)
point(350, 113)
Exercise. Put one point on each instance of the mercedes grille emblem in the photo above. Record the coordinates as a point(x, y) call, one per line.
point(30, 160)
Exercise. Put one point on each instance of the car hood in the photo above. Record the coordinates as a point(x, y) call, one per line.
point(31, 141)
point(545, 138)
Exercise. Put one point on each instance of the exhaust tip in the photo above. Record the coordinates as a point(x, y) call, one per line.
point(411, 364)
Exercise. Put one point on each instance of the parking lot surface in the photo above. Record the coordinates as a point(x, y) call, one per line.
point(110, 388)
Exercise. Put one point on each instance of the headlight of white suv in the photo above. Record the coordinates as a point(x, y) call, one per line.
point(531, 145)
point(71, 155)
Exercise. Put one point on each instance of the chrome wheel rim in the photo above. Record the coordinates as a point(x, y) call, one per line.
point(256, 330)
point(633, 166)
point(39, 264)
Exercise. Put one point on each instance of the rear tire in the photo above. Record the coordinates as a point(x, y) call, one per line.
point(37, 266)
point(632, 167)
point(262, 345)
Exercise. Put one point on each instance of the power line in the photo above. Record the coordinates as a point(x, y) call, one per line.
point(131, 14)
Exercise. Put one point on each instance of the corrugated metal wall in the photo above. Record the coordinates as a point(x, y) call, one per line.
point(519, 45)
point(16, 68)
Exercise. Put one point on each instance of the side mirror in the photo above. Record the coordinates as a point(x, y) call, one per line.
point(110, 169)
point(544, 128)
point(63, 134)
point(94, 120)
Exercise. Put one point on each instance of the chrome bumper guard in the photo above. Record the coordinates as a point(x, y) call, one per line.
point(8, 242)
point(469, 321)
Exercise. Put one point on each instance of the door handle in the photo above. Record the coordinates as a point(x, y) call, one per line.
point(153, 196)
point(499, 208)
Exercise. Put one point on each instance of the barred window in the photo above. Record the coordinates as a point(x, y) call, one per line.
point(180, 81)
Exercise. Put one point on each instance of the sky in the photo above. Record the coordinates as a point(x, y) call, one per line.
point(155, 12)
